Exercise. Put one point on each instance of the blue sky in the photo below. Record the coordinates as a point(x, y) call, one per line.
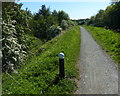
point(76, 10)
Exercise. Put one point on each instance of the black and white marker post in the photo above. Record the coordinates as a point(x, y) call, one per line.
point(61, 65)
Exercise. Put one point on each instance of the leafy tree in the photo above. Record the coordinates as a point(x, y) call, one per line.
point(62, 16)
point(109, 18)
point(43, 22)
point(45, 12)
point(55, 13)
point(55, 17)
point(114, 14)
point(99, 18)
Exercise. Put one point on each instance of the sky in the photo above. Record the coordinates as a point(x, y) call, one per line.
point(76, 10)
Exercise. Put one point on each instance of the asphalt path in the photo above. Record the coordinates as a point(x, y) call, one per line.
point(98, 72)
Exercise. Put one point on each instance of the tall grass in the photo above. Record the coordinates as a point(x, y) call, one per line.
point(40, 73)
point(108, 40)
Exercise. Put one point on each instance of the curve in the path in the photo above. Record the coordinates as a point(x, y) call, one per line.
point(98, 73)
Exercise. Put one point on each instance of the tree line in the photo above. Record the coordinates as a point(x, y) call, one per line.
point(108, 18)
point(18, 24)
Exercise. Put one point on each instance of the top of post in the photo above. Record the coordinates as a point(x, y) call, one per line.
point(61, 55)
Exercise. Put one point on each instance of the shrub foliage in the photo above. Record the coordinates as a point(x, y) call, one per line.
point(19, 24)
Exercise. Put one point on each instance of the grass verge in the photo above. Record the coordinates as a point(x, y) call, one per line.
point(40, 73)
point(108, 40)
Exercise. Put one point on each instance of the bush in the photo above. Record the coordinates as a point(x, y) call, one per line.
point(12, 51)
point(53, 31)
point(64, 24)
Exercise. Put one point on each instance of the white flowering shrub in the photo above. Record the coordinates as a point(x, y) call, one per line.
point(12, 51)
point(53, 31)
point(71, 23)
point(64, 24)
point(14, 35)
point(59, 29)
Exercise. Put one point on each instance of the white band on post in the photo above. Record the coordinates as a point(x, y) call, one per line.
point(61, 55)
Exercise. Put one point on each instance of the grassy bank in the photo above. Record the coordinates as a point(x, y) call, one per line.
point(108, 40)
point(40, 74)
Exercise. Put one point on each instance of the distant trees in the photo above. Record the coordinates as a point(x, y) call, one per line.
point(112, 16)
point(83, 21)
point(109, 18)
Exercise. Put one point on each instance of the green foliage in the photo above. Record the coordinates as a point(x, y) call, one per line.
point(37, 64)
point(65, 86)
point(108, 18)
point(12, 50)
point(53, 31)
point(40, 74)
point(42, 24)
point(83, 21)
point(15, 27)
point(66, 24)
point(44, 21)
point(108, 39)
point(99, 19)
point(62, 16)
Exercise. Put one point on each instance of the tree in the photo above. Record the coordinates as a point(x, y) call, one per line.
point(99, 19)
point(45, 12)
point(44, 19)
point(109, 17)
point(62, 16)
point(55, 17)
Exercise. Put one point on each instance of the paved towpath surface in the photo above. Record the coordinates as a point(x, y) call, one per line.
point(98, 73)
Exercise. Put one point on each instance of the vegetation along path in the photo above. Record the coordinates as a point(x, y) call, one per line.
point(98, 73)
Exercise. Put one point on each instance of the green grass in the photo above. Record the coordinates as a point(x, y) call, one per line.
point(40, 73)
point(108, 40)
